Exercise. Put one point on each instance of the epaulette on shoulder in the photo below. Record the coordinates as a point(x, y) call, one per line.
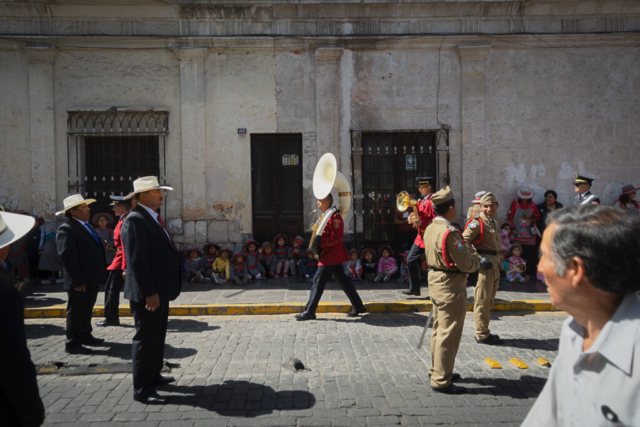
point(451, 228)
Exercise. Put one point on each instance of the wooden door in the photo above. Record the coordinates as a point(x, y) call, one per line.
point(276, 185)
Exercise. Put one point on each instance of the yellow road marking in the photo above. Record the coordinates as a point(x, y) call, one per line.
point(493, 363)
point(519, 363)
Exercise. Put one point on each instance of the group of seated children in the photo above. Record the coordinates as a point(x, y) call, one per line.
point(377, 272)
point(217, 265)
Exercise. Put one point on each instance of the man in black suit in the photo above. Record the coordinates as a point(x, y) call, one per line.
point(20, 403)
point(152, 280)
point(85, 267)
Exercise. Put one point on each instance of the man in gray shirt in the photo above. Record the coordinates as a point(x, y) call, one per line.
point(591, 268)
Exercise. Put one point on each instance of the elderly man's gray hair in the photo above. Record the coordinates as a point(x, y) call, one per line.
point(606, 239)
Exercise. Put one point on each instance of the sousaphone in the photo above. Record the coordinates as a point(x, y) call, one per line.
point(325, 177)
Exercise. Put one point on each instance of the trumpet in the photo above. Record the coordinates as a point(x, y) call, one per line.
point(404, 201)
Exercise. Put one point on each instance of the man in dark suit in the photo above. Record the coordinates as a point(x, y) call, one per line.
point(152, 280)
point(85, 267)
point(20, 403)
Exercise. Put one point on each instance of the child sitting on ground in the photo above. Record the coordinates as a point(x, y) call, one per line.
point(517, 265)
point(296, 252)
point(282, 251)
point(210, 254)
point(353, 268)
point(220, 273)
point(505, 235)
point(369, 266)
point(238, 270)
point(404, 268)
point(252, 258)
point(193, 266)
point(386, 265)
point(308, 266)
point(268, 259)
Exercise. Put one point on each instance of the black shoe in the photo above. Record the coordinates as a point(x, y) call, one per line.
point(305, 315)
point(412, 293)
point(77, 349)
point(163, 380)
point(454, 377)
point(357, 311)
point(450, 389)
point(94, 341)
point(490, 340)
point(152, 399)
point(107, 323)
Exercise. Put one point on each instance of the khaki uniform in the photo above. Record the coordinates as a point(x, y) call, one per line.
point(485, 291)
point(448, 293)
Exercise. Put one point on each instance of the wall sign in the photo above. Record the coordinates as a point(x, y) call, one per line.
point(411, 162)
point(290, 160)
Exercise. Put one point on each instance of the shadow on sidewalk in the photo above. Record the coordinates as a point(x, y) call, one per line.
point(239, 398)
point(506, 387)
point(188, 325)
point(532, 344)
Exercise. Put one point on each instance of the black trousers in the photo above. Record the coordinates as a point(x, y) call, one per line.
point(112, 289)
point(413, 262)
point(323, 275)
point(79, 309)
point(148, 346)
point(530, 255)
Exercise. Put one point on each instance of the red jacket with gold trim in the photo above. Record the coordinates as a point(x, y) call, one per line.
point(119, 262)
point(426, 214)
point(333, 250)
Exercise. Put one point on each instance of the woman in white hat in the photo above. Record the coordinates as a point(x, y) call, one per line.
point(626, 201)
point(84, 267)
point(20, 402)
point(523, 216)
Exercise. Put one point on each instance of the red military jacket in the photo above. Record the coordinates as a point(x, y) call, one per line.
point(333, 250)
point(426, 215)
point(119, 262)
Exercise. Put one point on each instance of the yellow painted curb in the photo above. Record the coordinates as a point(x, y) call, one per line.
point(290, 308)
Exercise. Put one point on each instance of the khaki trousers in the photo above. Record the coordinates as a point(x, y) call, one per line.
point(449, 295)
point(484, 294)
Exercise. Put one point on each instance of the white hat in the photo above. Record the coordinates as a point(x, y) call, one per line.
point(73, 201)
point(13, 227)
point(479, 195)
point(146, 183)
point(525, 192)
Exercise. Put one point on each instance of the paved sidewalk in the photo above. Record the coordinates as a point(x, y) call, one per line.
point(279, 291)
point(362, 372)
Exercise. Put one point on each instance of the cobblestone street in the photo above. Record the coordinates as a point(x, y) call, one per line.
point(362, 372)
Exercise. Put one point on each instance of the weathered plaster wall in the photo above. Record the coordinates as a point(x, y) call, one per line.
point(550, 114)
point(15, 148)
point(120, 78)
point(402, 90)
point(240, 93)
point(296, 104)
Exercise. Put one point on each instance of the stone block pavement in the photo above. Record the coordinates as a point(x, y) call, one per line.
point(281, 290)
point(361, 372)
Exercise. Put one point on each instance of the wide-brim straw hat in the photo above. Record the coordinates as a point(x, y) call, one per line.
point(95, 217)
point(73, 201)
point(13, 227)
point(146, 183)
point(525, 192)
point(628, 189)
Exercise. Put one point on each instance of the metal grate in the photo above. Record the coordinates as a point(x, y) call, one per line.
point(107, 150)
point(390, 163)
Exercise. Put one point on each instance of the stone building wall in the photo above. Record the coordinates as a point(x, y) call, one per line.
point(531, 92)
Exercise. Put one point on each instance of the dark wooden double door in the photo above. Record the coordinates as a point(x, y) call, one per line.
point(276, 185)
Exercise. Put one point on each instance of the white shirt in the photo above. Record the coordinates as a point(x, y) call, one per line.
point(599, 386)
point(441, 218)
point(154, 215)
